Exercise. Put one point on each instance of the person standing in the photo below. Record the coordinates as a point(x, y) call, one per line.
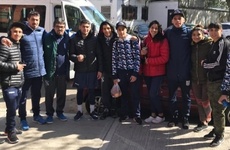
point(125, 71)
point(106, 37)
point(32, 55)
point(178, 68)
point(57, 65)
point(86, 55)
point(156, 55)
point(12, 78)
point(215, 65)
point(200, 47)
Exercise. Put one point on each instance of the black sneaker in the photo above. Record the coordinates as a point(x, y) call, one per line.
point(2, 141)
point(217, 141)
point(15, 130)
point(172, 123)
point(138, 120)
point(104, 114)
point(210, 135)
point(123, 118)
point(78, 116)
point(201, 126)
point(93, 115)
point(185, 124)
point(12, 137)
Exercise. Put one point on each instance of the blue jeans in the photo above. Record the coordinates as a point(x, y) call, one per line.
point(129, 90)
point(153, 85)
point(36, 85)
point(186, 101)
point(12, 97)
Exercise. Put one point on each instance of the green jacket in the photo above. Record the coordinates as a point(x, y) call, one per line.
point(199, 53)
point(56, 55)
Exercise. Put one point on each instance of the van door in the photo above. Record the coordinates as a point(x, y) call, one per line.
point(73, 13)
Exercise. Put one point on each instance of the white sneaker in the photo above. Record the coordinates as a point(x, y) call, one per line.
point(158, 119)
point(149, 119)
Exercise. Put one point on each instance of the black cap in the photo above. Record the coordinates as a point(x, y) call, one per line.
point(17, 24)
point(121, 23)
point(177, 12)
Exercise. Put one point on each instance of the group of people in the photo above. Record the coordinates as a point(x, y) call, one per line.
point(188, 58)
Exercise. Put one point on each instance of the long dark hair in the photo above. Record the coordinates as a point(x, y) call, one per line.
point(159, 36)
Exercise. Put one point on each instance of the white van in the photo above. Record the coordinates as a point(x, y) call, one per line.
point(71, 10)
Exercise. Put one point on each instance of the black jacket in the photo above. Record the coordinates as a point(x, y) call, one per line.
point(9, 74)
point(106, 50)
point(215, 63)
point(89, 48)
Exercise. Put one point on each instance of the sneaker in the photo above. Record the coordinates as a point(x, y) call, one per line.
point(2, 141)
point(158, 119)
point(12, 137)
point(104, 114)
point(24, 125)
point(49, 120)
point(39, 119)
point(201, 126)
point(123, 118)
point(149, 119)
point(15, 130)
point(217, 141)
point(185, 124)
point(93, 115)
point(138, 120)
point(62, 117)
point(211, 135)
point(172, 123)
point(78, 116)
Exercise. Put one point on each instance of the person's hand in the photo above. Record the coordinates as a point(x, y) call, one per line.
point(146, 60)
point(80, 58)
point(99, 75)
point(6, 42)
point(20, 66)
point(133, 38)
point(222, 97)
point(133, 79)
point(144, 52)
point(115, 81)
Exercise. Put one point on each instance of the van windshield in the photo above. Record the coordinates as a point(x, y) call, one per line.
point(93, 15)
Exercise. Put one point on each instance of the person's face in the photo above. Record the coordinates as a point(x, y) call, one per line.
point(215, 34)
point(106, 29)
point(33, 21)
point(178, 21)
point(85, 29)
point(153, 30)
point(59, 28)
point(121, 31)
point(16, 33)
point(197, 36)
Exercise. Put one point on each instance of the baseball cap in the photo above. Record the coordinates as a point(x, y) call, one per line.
point(121, 23)
point(177, 12)
point(17, 24)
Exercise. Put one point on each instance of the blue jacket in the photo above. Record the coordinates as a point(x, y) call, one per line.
point(32, 52)
point(179, 64)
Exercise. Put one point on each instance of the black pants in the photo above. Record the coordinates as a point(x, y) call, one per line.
point(107, 83)
point(36, 85)
point(11, 97)
point(56, 85)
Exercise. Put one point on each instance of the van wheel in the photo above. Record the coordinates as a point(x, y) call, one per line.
point(227, 116)
point(99, 107)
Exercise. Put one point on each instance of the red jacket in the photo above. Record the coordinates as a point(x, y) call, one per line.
point(157, 57)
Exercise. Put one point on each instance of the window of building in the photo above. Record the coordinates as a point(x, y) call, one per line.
point(129, 12)
point(105, 10)
point(144, 13)
point(18, 13)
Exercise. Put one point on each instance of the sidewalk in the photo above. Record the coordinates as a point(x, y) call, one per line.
point(108, 134)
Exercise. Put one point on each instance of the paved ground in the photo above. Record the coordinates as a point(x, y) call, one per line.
point(106, 134)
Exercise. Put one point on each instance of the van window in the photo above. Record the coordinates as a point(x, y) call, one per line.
point(13, 13)
point(74, 16)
